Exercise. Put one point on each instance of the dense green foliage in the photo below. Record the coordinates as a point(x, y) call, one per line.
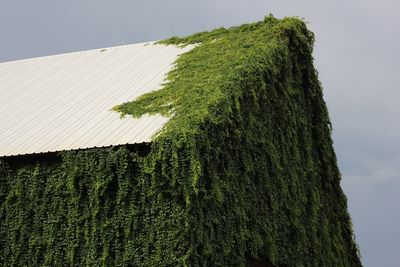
point(244, 168)
point(100, 207)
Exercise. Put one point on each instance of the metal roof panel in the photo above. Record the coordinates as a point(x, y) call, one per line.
point(63, 102)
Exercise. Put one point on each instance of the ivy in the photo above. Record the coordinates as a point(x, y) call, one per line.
point(244, 169)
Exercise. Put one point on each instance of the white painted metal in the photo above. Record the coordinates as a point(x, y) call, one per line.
point(64, 102)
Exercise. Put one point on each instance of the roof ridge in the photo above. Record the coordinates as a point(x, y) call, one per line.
point(100, 49)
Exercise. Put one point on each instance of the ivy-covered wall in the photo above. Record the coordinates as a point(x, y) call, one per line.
point(245, 168)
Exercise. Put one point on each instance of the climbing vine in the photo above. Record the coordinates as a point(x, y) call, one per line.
point(244, 169)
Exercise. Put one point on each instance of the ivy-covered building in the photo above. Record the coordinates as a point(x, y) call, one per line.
point(209, 150)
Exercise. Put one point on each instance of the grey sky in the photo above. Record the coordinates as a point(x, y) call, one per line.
point(357, 55)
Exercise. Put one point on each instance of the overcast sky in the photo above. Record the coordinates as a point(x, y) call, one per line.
point(356, 52)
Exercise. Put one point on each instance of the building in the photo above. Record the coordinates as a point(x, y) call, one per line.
point(208, 150)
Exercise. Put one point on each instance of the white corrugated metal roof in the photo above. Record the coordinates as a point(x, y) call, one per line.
point(64, 102)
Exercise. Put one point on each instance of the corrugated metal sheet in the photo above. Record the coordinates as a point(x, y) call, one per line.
point(64, 102)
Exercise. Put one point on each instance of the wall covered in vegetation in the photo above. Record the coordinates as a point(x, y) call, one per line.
point(245, 168)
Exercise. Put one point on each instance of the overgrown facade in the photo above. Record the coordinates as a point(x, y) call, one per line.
point(243, 171)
